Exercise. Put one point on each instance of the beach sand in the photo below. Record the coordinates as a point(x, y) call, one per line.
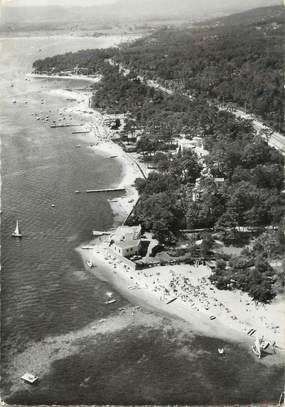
point(197, 299)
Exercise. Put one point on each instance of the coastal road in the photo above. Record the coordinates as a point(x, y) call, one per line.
point(276, 140)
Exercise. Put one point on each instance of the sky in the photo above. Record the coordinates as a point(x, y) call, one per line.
point(69, 3)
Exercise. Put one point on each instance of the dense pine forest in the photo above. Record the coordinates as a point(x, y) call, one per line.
point(238, 60)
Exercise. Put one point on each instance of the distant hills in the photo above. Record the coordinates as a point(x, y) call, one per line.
point(55, 17)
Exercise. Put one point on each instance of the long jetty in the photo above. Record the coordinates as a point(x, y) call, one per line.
point(89, 191)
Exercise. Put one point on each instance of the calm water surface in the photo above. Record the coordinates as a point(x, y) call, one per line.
point(45, 289)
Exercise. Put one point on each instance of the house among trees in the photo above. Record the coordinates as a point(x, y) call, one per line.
point(125, 241)
point(195, 144)
point(126, 248)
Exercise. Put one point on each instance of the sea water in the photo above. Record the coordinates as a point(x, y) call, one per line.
point(46, 290)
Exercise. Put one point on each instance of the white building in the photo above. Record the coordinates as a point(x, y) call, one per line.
point(126, 248)
point(195, 144)
point(125, 233)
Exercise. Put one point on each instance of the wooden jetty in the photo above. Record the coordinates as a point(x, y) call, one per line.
point(89, 191)
point(54, 126)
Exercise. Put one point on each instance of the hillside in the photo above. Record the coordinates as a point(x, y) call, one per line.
point(233, 63)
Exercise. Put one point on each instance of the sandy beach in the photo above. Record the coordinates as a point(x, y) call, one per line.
point(197, 300)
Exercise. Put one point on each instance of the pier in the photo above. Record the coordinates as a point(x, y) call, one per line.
point(89, 191)
point(54, 126)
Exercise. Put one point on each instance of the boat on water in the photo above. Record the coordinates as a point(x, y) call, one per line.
point(111, 299)
point(30, 378)
point(221, 351)
point(17, 232)
point(89, 263)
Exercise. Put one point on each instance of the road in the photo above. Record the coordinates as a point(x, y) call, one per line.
point(276, 140)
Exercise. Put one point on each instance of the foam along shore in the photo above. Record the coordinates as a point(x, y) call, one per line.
point(209, 311)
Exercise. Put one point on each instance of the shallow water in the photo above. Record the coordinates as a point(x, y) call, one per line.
point(46, 290)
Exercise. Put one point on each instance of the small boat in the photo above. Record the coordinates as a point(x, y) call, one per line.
point(172, 300)
point(77, 192)
point(221, 351)
point(53, 205)
point(110, 301)
point(212, 317)
point(113, 156)
point(29, 378)
point(259, 346)
point(17, 231)
point(89, 264)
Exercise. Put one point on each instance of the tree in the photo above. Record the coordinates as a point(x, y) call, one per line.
point(207, 245)
point(186, 168)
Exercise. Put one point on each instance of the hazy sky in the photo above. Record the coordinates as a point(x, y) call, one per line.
point(55, 2)
point(72, 3)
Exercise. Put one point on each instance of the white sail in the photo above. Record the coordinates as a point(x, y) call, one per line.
point(17, 232)
point(257, 344)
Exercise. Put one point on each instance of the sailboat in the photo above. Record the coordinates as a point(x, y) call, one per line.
point(17, 232)
point(259, 345)
point(111, 300)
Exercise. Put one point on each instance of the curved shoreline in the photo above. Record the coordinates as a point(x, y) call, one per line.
point(247, 314)
point(235, 313)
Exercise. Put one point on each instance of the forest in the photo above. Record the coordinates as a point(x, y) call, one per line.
point(231, 63)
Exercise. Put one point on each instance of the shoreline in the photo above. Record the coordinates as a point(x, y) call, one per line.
point(100, 139)
point(235, 313)
point(93, 79)
point(226, 325)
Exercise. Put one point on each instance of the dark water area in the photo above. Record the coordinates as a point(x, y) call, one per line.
point(152, 366)
point(46, 290)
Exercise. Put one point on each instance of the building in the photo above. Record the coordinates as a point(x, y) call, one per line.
point(124, 233)
point(125, 241)
point(184, 143)
point(195, 144)
point(126, 248)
